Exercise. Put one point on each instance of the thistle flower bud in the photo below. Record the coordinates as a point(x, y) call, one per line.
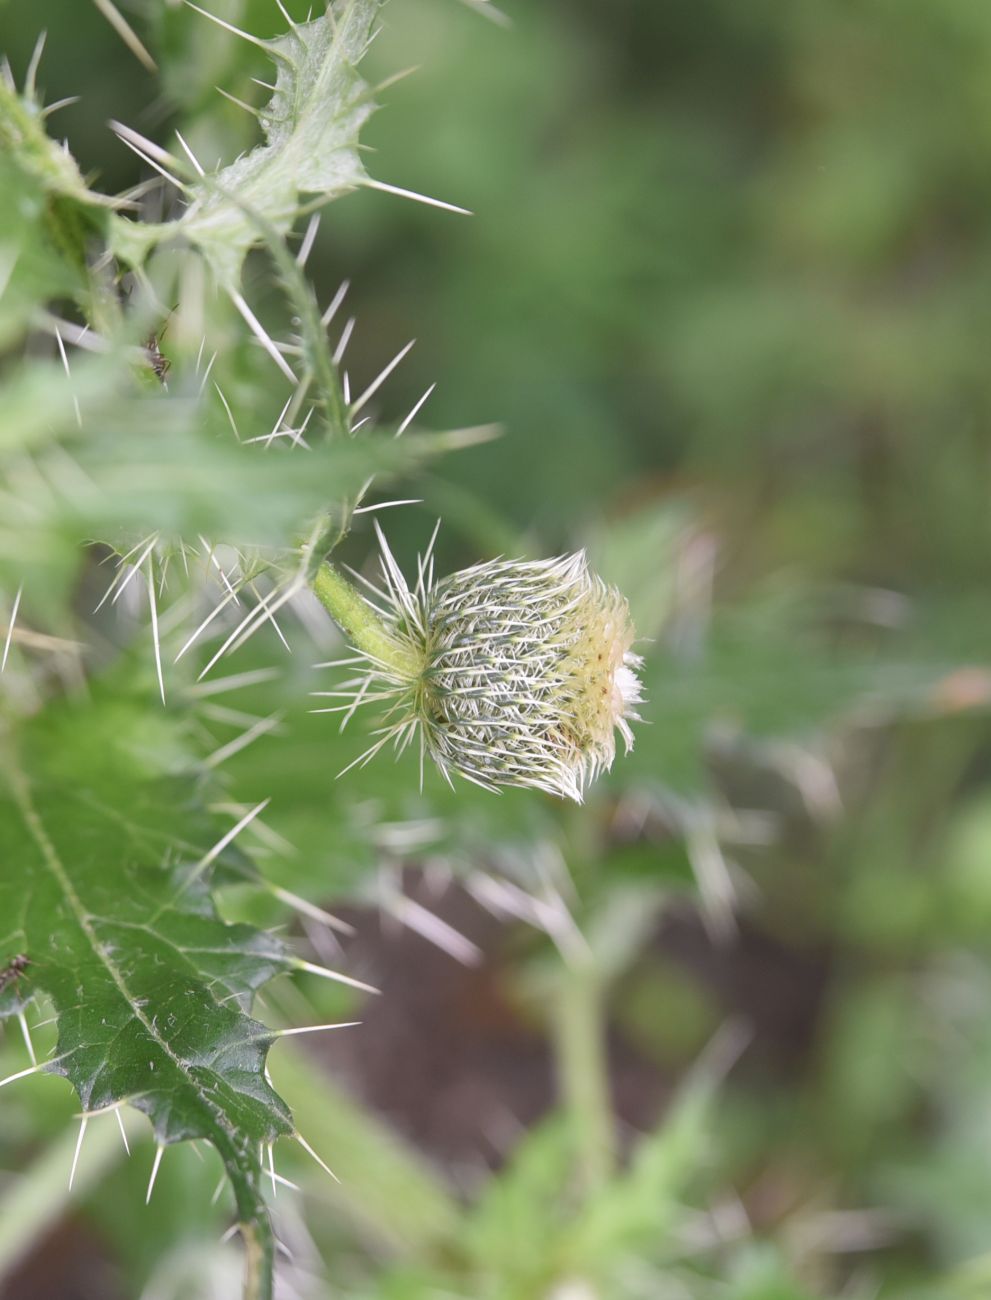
point(511, 672)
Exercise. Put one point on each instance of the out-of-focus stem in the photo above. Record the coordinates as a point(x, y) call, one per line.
point(583, 1070)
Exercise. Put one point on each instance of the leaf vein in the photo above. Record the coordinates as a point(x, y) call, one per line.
point(55, 867)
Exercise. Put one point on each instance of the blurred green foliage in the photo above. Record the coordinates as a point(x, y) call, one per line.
point(727, 290)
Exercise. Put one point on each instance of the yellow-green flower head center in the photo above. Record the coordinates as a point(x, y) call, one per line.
point(523, 673)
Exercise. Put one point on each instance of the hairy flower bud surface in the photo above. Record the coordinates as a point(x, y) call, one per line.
point(511, 672)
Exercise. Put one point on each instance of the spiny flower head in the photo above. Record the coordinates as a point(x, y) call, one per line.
point(510, 672)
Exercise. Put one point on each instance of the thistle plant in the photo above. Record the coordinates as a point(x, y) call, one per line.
point(116, 832)
point(510, 672)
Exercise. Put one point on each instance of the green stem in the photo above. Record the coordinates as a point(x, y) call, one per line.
point(259, 1258)
point(312, 332)
point(583, 1071)
point(254, 1222)
point(319, 363)
point(360, 623)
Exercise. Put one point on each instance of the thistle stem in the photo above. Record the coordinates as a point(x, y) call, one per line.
point(254, 1220)
point(583, 1071)
point(259, 1259)
point(360, 623)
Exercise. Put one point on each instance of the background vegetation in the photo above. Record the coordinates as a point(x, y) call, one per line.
point(723, 1032)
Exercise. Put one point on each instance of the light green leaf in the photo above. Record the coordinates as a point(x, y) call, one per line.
point(311, 127)
point(23, 139)
point(142, 462)
point(31, 271)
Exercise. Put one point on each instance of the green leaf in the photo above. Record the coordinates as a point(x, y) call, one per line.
point(50, 215)
point(23, 139)
point(31, 270)
point(311, 127)
point(106, 891)
point(143, 462)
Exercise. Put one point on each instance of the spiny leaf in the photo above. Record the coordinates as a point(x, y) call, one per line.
point(50, 215)
point(106, 891)
point(311, 126)
point(140, 462)
point(23, 138)
point(32, 272)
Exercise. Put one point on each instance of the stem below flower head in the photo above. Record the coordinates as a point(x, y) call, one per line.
point(360, 623)
point(583, 1072)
